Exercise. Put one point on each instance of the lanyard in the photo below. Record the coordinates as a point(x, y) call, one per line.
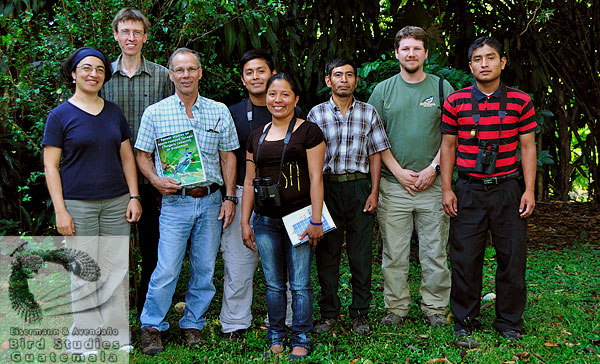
point(501, 110)
point(288, 136)
point(250, 113)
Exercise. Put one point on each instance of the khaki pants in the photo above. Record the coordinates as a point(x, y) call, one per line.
point(397, 212)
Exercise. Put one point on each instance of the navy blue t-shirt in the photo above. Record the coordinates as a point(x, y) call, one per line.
point(91, 161)
point(260, 116)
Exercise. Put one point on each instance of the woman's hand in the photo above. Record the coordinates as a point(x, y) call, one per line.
point(248, 237)
point(64, 224)
point(314, 232)
point(134, 210)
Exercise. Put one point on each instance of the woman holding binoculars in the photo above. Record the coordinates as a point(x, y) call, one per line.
point(284, 173)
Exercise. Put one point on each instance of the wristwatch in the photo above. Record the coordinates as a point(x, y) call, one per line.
point(436, 167)
point(233, 199)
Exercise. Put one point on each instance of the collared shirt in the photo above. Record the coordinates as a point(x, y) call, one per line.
point(149, 84)
point(457, 119)
point(350, 139)
point(168, 116)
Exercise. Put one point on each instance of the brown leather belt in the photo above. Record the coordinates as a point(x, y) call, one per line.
point(198, 192)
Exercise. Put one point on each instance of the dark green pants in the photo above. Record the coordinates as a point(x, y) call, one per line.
point(345, 201)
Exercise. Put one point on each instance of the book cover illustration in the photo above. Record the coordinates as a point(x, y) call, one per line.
point(180, 158)
point(297, 222)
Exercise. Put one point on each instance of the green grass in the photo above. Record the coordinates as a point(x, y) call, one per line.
point(562, 321)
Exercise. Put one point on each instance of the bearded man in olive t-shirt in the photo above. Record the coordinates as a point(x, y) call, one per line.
point(410, 191)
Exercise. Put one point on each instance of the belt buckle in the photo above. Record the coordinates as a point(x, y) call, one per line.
point(490, 181)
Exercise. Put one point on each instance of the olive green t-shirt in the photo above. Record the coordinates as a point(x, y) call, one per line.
point(411, 115)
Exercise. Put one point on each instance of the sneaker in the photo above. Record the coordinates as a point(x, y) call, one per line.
point(463, 339)
point(437, 320)
point(324, 325)
point(360, 325)
point(151, 342)
point(392, 319)
point(192, 338)
point(511, 334)
point(233, 336)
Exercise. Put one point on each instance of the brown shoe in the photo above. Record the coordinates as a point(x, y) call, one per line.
point(151, 342)
point(192, 338)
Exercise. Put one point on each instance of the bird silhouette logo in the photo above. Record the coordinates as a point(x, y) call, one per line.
point(26, 263)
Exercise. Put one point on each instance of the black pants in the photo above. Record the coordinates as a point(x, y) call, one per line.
point(148, 238)
point(482, 208)
point(345, 201)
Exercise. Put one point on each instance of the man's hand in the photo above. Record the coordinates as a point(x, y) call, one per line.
point(134, 210)
point(407, 178)
point(527, 204)
point(371, 203)
point(248, 237)
point(227, 213)
point(64, 224)
point(314, 232)
point(450, 203)
point(426, 178)
point(166, 186)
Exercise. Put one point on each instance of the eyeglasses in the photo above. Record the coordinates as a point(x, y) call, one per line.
point(88, 69)
point(125, 33)
point(181, 71)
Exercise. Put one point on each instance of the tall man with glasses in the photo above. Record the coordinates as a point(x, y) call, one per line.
point(196, 211)
point(137, 83)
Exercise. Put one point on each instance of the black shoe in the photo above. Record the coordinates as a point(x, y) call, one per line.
point(324, 325)
point(463, 339)
point(511, 334)
point(236, 335)
point(151, 342)
point(360, 325)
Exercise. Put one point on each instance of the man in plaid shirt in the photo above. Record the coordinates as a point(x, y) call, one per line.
point(355, 138)
point(197, 211)
point(137, 83)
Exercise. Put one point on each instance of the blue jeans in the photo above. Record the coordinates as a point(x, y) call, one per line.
point(180, 218)
point(279, 261)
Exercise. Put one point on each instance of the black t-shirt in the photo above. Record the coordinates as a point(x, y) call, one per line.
point(260, 117)
point(294, 185)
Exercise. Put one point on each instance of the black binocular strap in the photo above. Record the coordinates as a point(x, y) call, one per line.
point(501, 109)
point(288, 136)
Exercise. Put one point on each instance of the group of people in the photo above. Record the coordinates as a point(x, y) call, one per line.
point(262, 161)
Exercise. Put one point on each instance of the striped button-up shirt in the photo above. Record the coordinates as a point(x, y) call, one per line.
point(149, 85)
point(351, 139)
point(168, 116)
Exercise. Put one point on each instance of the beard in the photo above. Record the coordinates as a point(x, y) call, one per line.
point(413, 68)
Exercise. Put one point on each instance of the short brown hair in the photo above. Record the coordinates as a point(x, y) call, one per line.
point(411, 31)
point(126, 14)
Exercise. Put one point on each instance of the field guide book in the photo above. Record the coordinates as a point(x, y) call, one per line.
point(180, 158)
point(297, 222)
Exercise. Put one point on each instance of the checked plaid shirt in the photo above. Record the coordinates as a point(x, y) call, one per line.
point(350, 140)
point(168, 116)
point(150, 84)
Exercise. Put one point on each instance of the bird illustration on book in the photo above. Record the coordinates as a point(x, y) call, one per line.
point(183, 163)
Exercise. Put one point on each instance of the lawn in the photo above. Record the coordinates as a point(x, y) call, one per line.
point(562, 320)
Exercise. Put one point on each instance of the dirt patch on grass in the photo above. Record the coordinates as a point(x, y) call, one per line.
point(559, 224)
